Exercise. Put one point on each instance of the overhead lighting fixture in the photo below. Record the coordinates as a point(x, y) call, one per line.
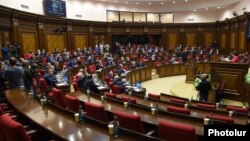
point(149, 3)
point(218, 7)
point(115, 1)
point(137, 3)
point(206, 9)
point(194, 10)
point(126, 2)
point(173, 2)
point(186, 0)
point(162, 3)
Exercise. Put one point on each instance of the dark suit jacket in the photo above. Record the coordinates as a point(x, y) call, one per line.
point(51, 81)
point(89, 84)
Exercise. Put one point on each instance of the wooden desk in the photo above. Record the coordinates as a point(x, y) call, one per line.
point(233, 74)
point(58, 123)
point(146, 116)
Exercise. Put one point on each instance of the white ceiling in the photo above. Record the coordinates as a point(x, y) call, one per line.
point(173, 5)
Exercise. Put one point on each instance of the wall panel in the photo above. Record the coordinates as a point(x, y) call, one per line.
point(232, 40)
point(29, 42)
point(223, 40)
point(209, 38)
point(242, 40)
point(190, 39)
point(80, 41)
point(55, 41)
point(172, 40)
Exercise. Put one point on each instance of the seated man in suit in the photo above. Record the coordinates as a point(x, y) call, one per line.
point(120, 70)
point(89, 84)
point(140, 64)
point(99, 65)
point(118, 81)
point(50, 78)
point(80, 79)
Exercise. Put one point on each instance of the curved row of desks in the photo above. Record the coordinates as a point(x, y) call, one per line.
point(58, 123)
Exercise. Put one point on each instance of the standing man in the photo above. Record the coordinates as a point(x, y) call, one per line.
point(14, 75)
point(204, 88)
point(5, 52)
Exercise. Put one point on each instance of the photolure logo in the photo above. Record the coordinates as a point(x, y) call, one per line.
point(234, 132)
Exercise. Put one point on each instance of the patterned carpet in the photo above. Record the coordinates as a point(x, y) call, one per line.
point(176, 85)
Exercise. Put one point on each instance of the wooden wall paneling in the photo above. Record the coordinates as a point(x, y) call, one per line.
point(28, 41)
point(69, 36)
point(190, 39)
point(207, 68)
point(55, 41)
point(102, 39)
point(233, 40)
point(91, 36)
point(80, 41)
point(15, 28)
point(209, 38)
point(176, 69)
point(242, 41)
point(40, 32)
point(183, 69)
point(169, 70)
point(172, 40)
point(200, 68)
point(133, 77)
point(223, 40)
point(161, 70)
point(200, 40)
point(6, 37)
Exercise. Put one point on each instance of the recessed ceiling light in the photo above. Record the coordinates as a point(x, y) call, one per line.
point(186, 0)
point(115, 1)
point(137, 3)
point(206, 9)
point(173, 2)
point(162, 2)
point(218, 7)
point(149, 3)
point(126, 2)
point(194, 10)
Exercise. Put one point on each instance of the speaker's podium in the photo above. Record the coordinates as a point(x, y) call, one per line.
point(212, 92)
point(190, 73)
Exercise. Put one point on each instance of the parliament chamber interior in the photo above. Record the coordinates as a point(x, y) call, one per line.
point(104, 70)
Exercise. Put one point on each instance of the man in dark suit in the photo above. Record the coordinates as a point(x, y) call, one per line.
point(140, 64)
point(204, 88)
point(99, 65)
point(5, 52)
point(89, 84)
point(50, 78)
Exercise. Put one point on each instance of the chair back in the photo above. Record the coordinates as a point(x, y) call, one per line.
point(44, 86)
point(116, 89)
point(178, 110)
point(110, 95)
point(58, 97)
point(208, 106)
point(130, 121)
point(12, 130)
point(126, 99)
point(154, 96)
point(238, 109)
point(72, 103)
point(228, 120)
point(75, 85)
point(96, 111)
point(176, 132)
